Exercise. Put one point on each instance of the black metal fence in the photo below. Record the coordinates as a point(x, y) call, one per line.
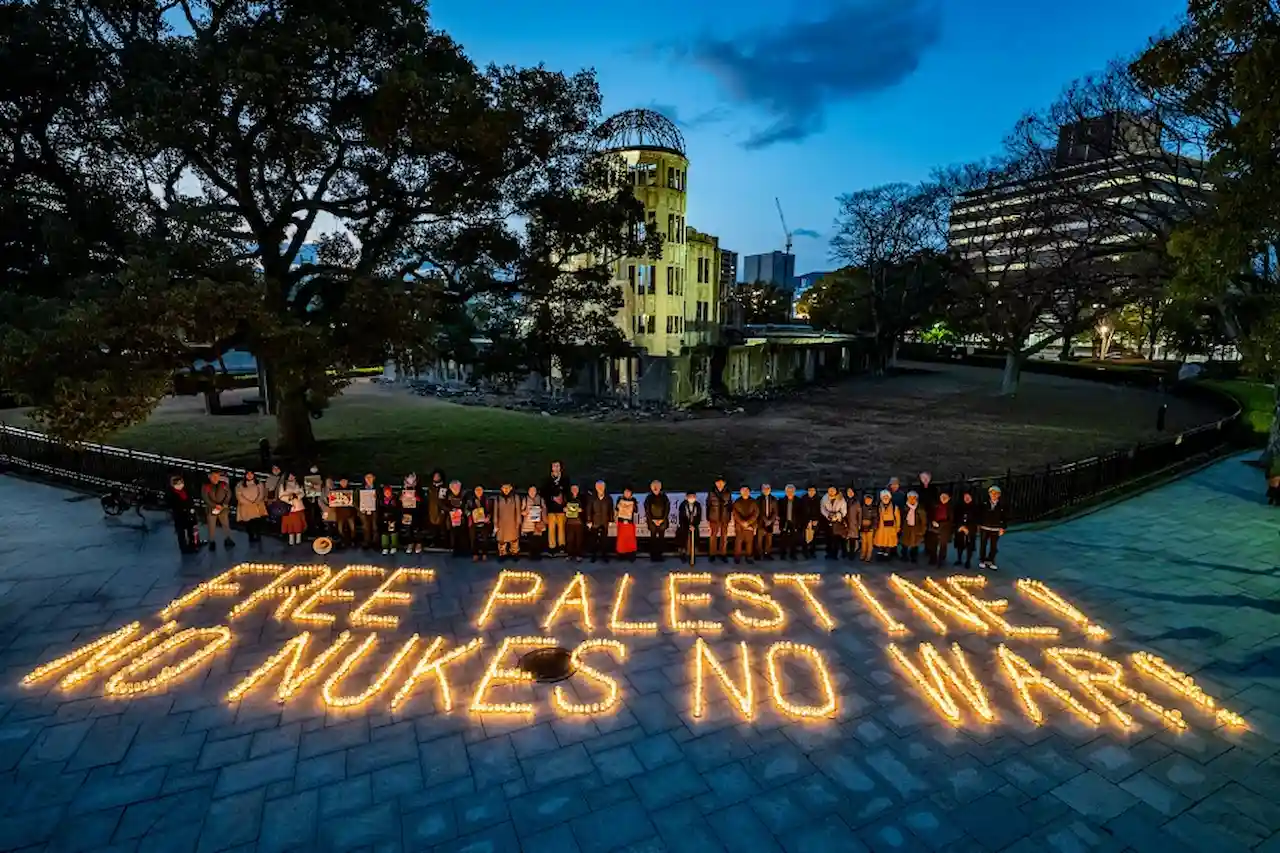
point(1029, 496)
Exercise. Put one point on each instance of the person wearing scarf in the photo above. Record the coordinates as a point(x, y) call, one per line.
point(941, 520)
point(914, 525)
point(888, 526)
point(868, 521)
point(183, 509)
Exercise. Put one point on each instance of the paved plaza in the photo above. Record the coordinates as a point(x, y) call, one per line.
point(1189, 572)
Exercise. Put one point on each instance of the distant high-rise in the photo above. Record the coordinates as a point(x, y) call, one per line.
point(776, 268)
point(728, 269)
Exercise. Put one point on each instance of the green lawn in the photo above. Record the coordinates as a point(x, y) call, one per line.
point(1257, 400)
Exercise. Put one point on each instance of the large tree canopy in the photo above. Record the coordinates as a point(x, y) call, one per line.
point(166, 163)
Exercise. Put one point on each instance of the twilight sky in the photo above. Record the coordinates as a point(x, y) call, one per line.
point(807, 101)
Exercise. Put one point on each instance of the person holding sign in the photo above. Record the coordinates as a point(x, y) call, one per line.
point(574, 524)
point(216, 496)
point(480, 523)
point(533, 513)
point(554, 492)
point(342, 499)
point(626, 523)
point(454, 506)
point(368, 511)
point(389, 519)
point(657, 515)
point(294, 523)
point(410, 513)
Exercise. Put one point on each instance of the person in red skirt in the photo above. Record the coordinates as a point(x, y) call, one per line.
point(295, 523)
point(625, 518)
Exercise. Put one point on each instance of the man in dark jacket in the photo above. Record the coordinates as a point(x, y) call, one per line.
point(926, 490)
point(657, 516)
point(768, 518)
point(555, 491)
point(437, 513)
point(791, 523)
point(598, 509)
point(812, 522)
point(992, 519)
point(454, 506)
point(690, 525)
point(182, 507)
point(746, 520)
point(941, 523)
point(719, 510)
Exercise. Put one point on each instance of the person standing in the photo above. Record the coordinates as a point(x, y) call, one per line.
point(625, 512)
point(216, 497)
point(888, 526)
point(506, 523)
point(657, 516)
point(868, 521)
point(914, 526)
point(312, 491)
point(275, 480)
point(479, 523)
point(940, 527)
point(813, 521)
point(966, 522)
point(437, 517)
point(598, 509)
point(690, 525)
point(411, 515)
point(342, 499)
point(835, 514)
point(554, 492)
point(251, 505)
point(791, 523)
point(389, 512)
point(294, 524)
point(768, 504)
point(454, 505)
point(746, 519)
point(992, 520)
point(574, 524)
point(927, 491)
point(852, 523)
point(533, 516)
point(719, 503)
point(368, 511)
point(182, 507)
point(899, 500)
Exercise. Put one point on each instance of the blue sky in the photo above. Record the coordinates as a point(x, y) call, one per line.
point(808, 102)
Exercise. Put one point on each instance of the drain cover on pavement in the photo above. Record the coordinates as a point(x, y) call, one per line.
point(548, 665)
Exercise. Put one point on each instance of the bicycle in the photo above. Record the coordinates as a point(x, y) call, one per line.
point(120, 499)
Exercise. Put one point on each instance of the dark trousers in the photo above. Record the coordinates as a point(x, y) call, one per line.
point(764, 541)
point(479, 540)
point(809, 546)
point(186, 531)
point(347, 529)
point(598, 542)
point(964, 546)
point(573, 538)
point(254, 528)
point(534, 545)
point(657, 540)
point(458, 540)
point(935, 545)
point(369, 528)
point(315, 521)
point(835, 543)
point(719, 545)
point(990, 540)
point(789, 541)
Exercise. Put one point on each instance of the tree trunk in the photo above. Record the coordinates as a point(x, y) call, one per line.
point(295, 438)
point(1273, 440)
point(893, 354)
point(1012, 373)
point(1064, 354)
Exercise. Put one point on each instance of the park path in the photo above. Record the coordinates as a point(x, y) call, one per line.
point(1189, 571)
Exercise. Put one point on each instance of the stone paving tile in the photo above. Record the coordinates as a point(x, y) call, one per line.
point(184, 770)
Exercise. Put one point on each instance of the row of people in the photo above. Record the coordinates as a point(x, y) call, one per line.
point(560, 517)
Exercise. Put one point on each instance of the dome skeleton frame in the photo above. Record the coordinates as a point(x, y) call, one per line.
point(640, 129)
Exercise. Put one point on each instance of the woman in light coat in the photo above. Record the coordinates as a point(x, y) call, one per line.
point(835, 512)
point(251, 505)
point(507, 522)
point(533, 513)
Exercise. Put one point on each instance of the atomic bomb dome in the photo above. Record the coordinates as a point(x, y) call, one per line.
point(640, 130)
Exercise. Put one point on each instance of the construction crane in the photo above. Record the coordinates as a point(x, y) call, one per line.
point(778, 202)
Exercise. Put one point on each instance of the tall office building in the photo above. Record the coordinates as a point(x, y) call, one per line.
point(776, 268)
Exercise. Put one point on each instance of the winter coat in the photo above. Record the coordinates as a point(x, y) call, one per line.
point(506, 517)
point(812, 507)
point(573, 510)
point(251, 501)
point(216, 496)
point(292, 495)
point(626, 508)
point(928, 494)
point(556, 487)
point(746, 515)
point(792, 514)
point(853, 524)
point(888, 526)
point(181, 506)
point(719, 506)
point(389, 512)
point(942, 519)
point(436, 509)
point(914, 525)
point(531, 507)
point(454, 506)
point(898, 498)
point(965, 515)
point(598, 510)
point(868, 517)
point(993, 515)
point(836, 511)
point(657, 510)
point(690, 515)
point(482, 503)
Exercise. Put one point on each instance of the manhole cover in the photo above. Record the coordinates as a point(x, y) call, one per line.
point(548, 665)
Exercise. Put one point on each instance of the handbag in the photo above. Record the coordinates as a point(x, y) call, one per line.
point(277, 509)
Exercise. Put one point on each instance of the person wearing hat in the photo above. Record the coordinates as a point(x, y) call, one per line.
point(991, 524)
point(915, 524)
point(597, 509)
point(719, 510)
point(888, 526)
point(690, 524)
